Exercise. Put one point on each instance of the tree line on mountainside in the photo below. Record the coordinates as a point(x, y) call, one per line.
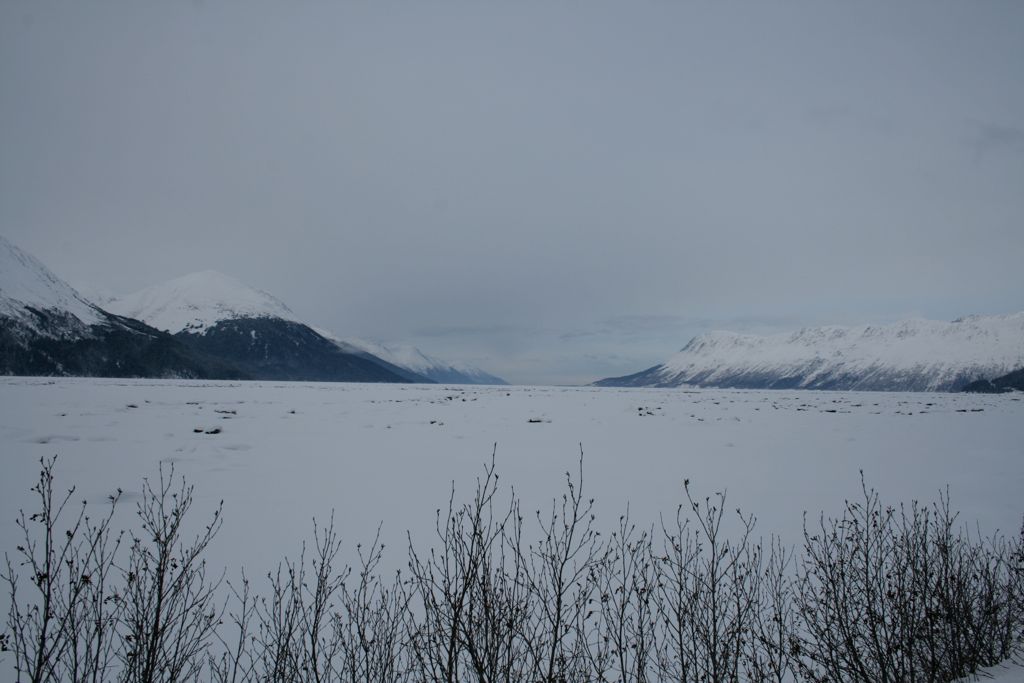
point(999, 385)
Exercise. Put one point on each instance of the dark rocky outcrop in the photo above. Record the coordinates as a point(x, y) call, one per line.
point(276, 349)
point(1008, 382)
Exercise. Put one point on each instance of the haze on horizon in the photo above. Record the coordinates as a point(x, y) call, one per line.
point(556, 192)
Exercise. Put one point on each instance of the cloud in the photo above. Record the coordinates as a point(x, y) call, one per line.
point(467, 330)
point(642, 173)
point(989, 139)
point(655, 326)
point(839, 116)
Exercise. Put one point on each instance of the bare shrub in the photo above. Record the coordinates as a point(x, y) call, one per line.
point(495, 628)
point(468, 621)
point(170, 613)
point(316, 623)
point(708, 594)
point(370, 623)
point(235, 660)
point(64, 630)
point(895, 594)
point(560, 575)
point(771, 654)
point(625, 577)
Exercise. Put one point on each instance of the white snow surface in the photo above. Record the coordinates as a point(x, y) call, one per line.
point(988, 346)
point(1008, 672)
point(25, 282)
point(388, 454)
point(289, 452)
point(198, 301)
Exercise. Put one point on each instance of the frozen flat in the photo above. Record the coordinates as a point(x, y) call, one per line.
point(1007, 672)
point(286, 452)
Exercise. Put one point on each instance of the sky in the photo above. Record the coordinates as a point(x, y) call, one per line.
point(556, 191)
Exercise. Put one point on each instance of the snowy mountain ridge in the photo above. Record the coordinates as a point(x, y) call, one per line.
point(25, 284)
point(196, 302)
point(913, 355)
point(49, 328)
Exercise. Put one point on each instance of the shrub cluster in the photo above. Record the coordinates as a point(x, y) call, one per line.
point(879, 594)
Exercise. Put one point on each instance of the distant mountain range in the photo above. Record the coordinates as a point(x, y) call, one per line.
point(47, 328)
point(203, 325)
point(912, 355)
point(209, 325)
point(217, 315)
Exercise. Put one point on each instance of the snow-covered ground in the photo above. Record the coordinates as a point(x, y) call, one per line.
point(288, 452)
point(1007, 672)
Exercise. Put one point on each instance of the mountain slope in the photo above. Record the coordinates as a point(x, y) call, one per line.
point(221, 317)
point(277, 349)
point(913, 355)
point(413, 360)
point(47, 328)
point(28, 289)
point(1008, 382)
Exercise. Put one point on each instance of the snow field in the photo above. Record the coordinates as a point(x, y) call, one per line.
point(388, 454)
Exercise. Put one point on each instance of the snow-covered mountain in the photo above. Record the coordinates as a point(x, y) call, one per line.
point(29, 292)
point(196, 302)
point(912, 355)
point(225, 318)
point(48, 328)
point(412, 359)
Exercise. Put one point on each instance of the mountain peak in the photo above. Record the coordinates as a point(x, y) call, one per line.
point(27, 283)
point(197, 301)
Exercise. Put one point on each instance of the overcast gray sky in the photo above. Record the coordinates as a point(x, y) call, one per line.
point(558, 191)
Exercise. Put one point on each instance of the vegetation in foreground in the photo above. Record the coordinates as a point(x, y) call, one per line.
point(881, 594)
